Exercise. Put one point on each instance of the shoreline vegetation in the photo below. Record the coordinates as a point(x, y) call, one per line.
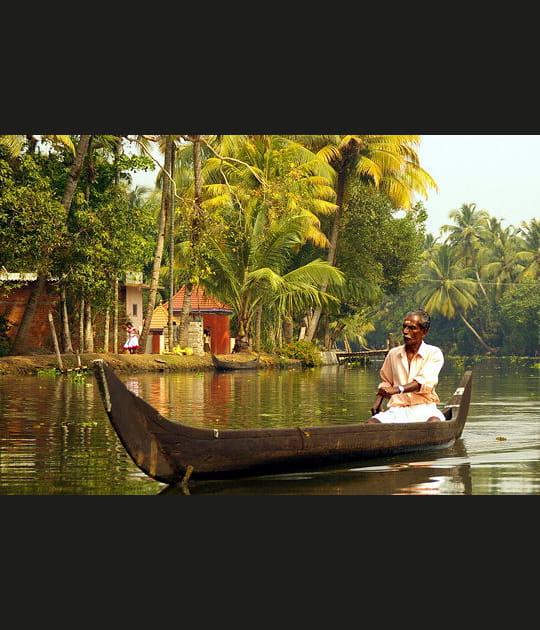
point(33, 363)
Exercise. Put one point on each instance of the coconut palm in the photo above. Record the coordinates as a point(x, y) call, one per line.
point(167, 143)
point(16, 143)
point(467, 234)
point(447, 288)
point(287, 175)
point(506, 261)
point(249, 263)
point(531, 249)
point(466, 231)
point(282, 175)
point(387, 162)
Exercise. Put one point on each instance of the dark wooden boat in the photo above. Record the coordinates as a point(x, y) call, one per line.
point(220, 364)
point(172, 452)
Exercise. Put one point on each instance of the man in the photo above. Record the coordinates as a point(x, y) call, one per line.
point(410, 374)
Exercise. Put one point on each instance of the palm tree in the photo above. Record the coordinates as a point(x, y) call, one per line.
point(531, 250)
point(168, 142)
point(282, 175)
point(15, 143)
point(505, 261)
point(249, 266)
point(389, 163)
point(197, 226)
point(446, 287)
point(467, 233)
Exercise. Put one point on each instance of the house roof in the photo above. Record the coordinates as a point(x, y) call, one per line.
point(200, 302)
point(160, 318)
point(6, 276)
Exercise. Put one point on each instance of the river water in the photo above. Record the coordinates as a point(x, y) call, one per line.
point(55, 437)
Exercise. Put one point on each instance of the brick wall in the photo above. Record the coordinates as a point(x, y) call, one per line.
point(12, 305)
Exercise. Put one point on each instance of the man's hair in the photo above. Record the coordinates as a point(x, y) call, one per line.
point(425, 319)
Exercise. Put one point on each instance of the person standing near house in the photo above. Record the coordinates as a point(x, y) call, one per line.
point(132, 341)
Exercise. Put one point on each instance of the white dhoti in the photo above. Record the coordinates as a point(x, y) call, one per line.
point(414, 413)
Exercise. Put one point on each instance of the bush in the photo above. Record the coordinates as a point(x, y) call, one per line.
point(305, 352)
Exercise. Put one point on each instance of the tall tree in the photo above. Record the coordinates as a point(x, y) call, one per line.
point(447, 288)
point(506, 259)
point(389, 163)
point(171, 249)
point(21, 338)
point(196, 226)
point(531, 249)
point(467, 234)
point(249, 261)
point(158, 254)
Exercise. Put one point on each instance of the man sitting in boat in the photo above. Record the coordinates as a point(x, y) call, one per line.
point(410, 374)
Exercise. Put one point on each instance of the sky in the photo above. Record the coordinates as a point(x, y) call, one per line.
point(498, 173)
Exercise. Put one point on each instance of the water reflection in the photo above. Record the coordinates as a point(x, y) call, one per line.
point(55, 437)
point(448, 474)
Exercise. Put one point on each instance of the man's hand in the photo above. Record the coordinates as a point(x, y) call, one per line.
point(386, 391)
point(377, 405)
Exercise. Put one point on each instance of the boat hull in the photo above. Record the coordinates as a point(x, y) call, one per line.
point(170, 452)
point(220, 364)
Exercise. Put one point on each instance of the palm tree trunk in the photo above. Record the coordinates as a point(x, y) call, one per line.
point(195, 232)
point(258, 318)
point(171, 257)
point(183, 332)
point(88, 332)
point(163, 214)
point(66, 334)
point(115, 316)
point(82, 347)
point(332, 250)
point(480, 283)
point(288, 329)
point(476, 334)
point(106, 327)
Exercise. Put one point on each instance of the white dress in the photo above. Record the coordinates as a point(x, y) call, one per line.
point(133, 339)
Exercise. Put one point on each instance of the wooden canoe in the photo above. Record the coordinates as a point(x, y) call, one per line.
point(171, 452)
point(220, 364)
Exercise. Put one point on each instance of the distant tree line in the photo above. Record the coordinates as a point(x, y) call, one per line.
point(479, 279)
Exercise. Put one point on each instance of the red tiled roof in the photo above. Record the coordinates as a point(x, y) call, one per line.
point(200, 302)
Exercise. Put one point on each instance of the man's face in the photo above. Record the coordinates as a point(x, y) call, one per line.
point(412, 333)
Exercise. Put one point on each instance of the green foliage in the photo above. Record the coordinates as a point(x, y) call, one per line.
point(32, 220)
point(375, 246)
point(48, 372)
point(307, 353)
point(127, 163)
point(520, 317)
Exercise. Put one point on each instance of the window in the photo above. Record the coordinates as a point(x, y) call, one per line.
point(134, 310)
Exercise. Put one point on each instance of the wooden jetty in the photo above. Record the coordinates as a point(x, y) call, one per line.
point(360, 354)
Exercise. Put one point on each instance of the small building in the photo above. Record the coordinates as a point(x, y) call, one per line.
point(15, 289)
point(158, 331)
point(130, 293)
point(212, 315)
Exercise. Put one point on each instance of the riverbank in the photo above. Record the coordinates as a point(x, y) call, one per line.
point(32, 364)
